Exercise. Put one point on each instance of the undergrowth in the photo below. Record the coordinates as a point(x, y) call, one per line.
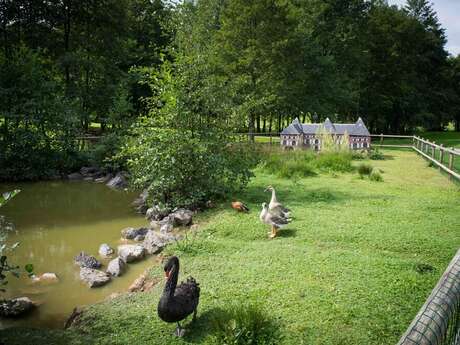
point(289, 164)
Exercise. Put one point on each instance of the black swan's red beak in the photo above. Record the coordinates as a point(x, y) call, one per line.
point(167, 274)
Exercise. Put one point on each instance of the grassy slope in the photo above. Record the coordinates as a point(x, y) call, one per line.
point(341, 273)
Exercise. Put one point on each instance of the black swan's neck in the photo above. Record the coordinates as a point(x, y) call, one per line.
point(171, 283)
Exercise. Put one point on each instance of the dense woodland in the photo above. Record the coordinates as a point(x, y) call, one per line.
point(150, 75)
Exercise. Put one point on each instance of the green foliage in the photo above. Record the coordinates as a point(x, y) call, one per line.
point(376, 176)
point(38, 132)
point(245, 325)
point(5, 227)
point(298, 163)
point(364, 169)
point(104, 152)
point(375, 154)
point(183, 158)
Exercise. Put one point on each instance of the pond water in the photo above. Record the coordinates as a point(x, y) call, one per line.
point(54, 221)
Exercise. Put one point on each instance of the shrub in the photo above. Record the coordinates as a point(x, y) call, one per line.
point(375, 176)
point(333, 161)
point(244, 325)
point(364, 169)
point(290, 164)
point(375, 154)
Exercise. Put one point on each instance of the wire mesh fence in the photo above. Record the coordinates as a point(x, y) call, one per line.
point(438, 321)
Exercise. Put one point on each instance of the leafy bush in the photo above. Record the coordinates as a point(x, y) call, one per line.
point(375, 176)
point(245, 325)
point(102, 153)
point(183, 168)
point(364, 169)
point(375, 154)
point(291, 164)
point(333, 162)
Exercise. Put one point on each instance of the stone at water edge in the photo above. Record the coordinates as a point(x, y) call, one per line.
point(118, 182)
point(16, 307)
point(140, 203)
point(88, 261)
point(94, 278)
point(105, 250)
point(181, 217)
point(47, 277)
point(166, 224)
point(104, 179)
point(133, 233)
point(116, 267)
point(75, 176)
point(131, 252)
point(154, 241)
point(156, 213)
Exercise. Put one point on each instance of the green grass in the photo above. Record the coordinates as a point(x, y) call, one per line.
point(349, 269)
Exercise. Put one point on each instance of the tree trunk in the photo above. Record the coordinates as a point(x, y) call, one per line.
point(251, 127)
point(264, 127)
point(258, 123)
point(270, 124)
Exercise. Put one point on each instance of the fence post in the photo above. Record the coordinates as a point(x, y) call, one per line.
point(271, 143)
point(441, 155)
point(451, 161)
point(381, 138)
point(433, 149)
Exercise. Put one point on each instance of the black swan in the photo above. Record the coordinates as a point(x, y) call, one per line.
point(178, 303)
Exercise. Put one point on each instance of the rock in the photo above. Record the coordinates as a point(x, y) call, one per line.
point(89, 171)
point(156, 213)
point(88, 179)
point(94, 277)
point(75, 176)
point(133, 233)
point(46, 278)
point(116, 267)
point(166, 224)
point(104, 179)
point(118, 182)
point(16, 307)
point(105, 250)
point(138, 284)
point(140, 204)
point(154, 241)
point(74, 318)
point(155, 224)
point(131, 252)
point(88, 261)
point(181, 217)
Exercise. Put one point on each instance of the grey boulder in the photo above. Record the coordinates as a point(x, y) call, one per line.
point(116, 267)
point(105, 250)
point(156, 213)
point(140, 204)
point(118, 182)
point(131, 252)
point(16, 307)
point(94, 278)
point(75, 176)
point(155, 241)
point(137, 234)
point(181, 217)
point(88, 261)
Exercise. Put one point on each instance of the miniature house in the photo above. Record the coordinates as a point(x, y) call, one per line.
point(298, 135)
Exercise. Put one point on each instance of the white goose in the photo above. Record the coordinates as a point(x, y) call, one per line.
point(275, 206)
point(276, 222)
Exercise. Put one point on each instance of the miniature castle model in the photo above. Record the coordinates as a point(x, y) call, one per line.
point(308, 135)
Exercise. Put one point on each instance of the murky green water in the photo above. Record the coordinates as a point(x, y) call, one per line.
point(54, 221)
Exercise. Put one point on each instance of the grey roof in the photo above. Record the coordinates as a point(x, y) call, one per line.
point(358, 128)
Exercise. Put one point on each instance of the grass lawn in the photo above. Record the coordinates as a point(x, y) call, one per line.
point(343, 272)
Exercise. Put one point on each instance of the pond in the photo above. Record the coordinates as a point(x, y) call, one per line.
point(54, 221)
